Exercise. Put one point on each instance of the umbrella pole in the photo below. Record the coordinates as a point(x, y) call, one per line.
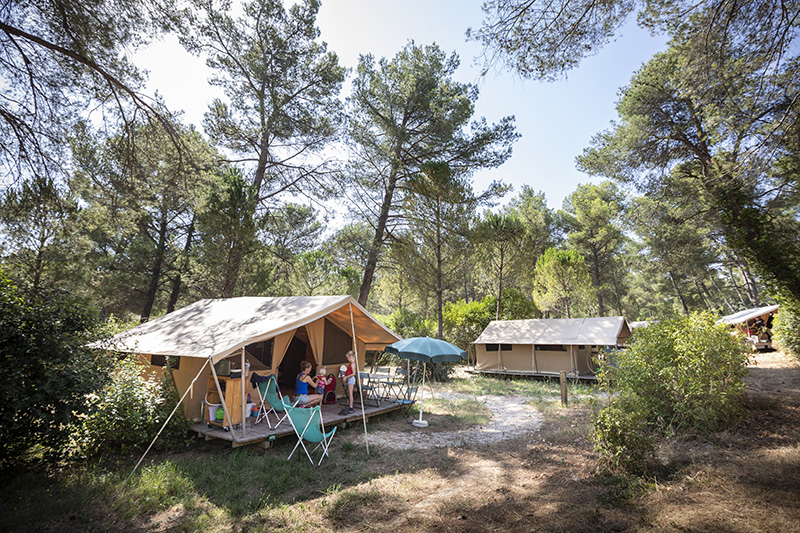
point(421, 423)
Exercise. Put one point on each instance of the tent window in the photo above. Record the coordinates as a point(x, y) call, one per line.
point(336, 344)
point(261, 351)
point(551, 348)
point(581, 347)
point(505, 347)
point(161, 360)
point(492, 347)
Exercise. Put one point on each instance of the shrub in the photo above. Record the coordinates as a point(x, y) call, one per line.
point(786, 329)
point(47, 371)
point(681, 375)
point(130, 411)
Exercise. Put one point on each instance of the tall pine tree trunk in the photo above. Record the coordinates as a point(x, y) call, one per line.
point(678, 292)
point(177, 282)
point(155, 272)
point(377, 240)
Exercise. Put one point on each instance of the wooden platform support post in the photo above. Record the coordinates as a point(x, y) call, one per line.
point(562, 378)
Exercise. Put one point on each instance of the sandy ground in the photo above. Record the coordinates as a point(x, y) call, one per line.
point(511, 418)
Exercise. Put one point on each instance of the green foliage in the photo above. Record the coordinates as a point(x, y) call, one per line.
point(47, 370)
point(404, 112)
point(128, 413)
point(500, 237)
point(592, 219)
point(227, 224)
point(464, 321)
point(786, 329)
point(563, 286)
point(680, 375)
point(408, 324)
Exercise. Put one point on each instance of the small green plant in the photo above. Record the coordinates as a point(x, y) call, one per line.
point(680, 375)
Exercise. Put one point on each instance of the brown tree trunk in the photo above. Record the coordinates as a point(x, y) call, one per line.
point(719, 291)
point(155, 272)
point(678, 292)
point(177, 282)
point(377, 240)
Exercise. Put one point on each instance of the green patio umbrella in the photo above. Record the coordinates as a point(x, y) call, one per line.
point(427, 350)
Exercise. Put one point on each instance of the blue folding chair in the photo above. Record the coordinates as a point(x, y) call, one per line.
point(269, 396)
point(307, 424)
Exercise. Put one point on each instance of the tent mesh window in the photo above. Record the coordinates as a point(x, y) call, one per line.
point(161, 360)
point(551, 348)
point(498, 347)
point(262, 351)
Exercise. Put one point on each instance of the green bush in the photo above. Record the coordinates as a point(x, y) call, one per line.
point(681, 375)
point(130, 411)
point(621, 438)
point(47, 370)
point(786, 329)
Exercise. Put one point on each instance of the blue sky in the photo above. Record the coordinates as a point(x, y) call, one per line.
point(557, 120)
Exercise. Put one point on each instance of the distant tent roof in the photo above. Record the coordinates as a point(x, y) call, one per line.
point(218, 327)
point(600, 331)
point(747, 314)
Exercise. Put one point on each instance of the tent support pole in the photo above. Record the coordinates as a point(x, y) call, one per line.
point(244, 403)
point(573, 362)
point(191, 386)
point(358, 377)
point(222, 400)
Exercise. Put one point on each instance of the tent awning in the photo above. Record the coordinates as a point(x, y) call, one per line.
point(593, 331)
point(748, 314)
point(216, 328)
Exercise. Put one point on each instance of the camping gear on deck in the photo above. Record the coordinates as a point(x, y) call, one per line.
point(425, 349)
point(330, 389)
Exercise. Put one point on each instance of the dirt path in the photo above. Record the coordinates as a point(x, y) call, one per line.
point(511, 417)
point(743, 480)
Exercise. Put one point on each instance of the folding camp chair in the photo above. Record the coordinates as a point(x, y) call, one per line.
point(368, 389)
point(307, 424)
point(270, 397)
point(408, 399)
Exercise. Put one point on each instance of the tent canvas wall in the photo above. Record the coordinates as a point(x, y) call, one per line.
point(547, 346)
point(259, 328)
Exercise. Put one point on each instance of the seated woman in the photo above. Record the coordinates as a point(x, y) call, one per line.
point(302, 397)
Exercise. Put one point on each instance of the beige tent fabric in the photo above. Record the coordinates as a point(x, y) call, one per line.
point(316, 338)
point(748, 314)
point(279, 348)
point(569, 331)
point(217, 328)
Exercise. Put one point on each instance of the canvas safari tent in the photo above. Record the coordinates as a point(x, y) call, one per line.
point(755, 323)
point(268, 335)
point(548, 346)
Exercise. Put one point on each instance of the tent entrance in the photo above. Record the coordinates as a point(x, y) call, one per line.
point(290, 366)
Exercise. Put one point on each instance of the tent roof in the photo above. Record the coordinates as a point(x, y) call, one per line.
point(600, 331)
point(747, 314)
point(216, 328)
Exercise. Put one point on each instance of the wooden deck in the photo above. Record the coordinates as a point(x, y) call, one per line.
point(260, 434)
point(531, 374)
